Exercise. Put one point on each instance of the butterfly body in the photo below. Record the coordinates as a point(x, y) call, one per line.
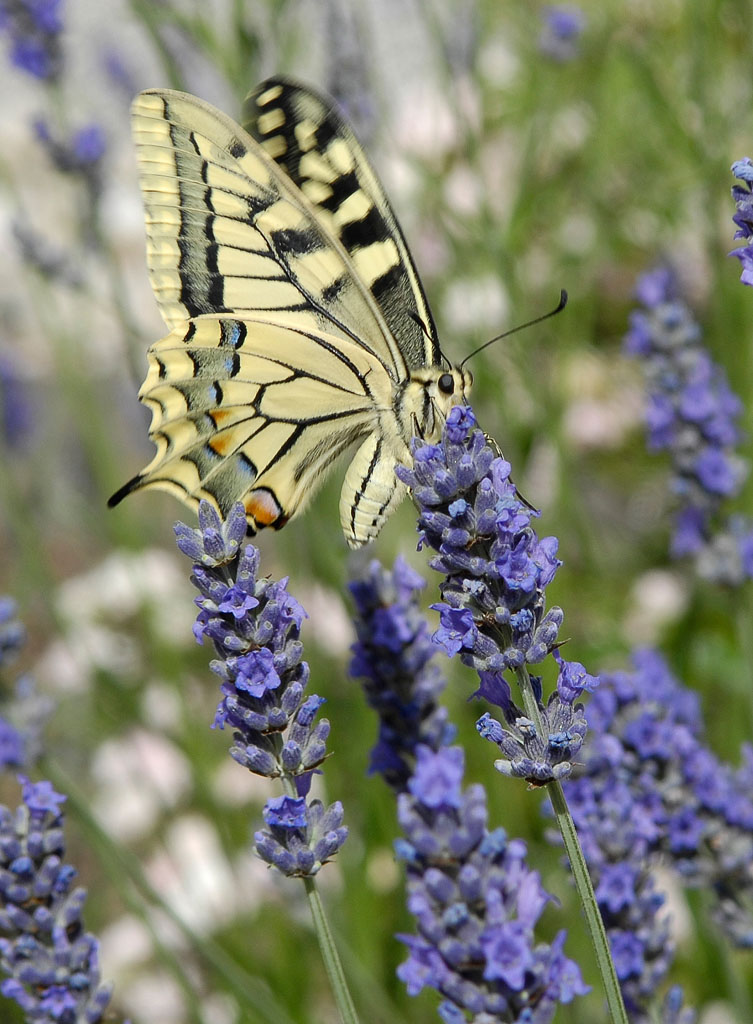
point(299, 327)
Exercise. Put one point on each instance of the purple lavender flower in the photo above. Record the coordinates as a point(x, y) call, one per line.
point(12, 632)
point(493, 613)
point(692, 413)
point(16, 413)
point(33, 28)
point(496, 568)
point(254, 625)
point(51, 963)
point(743, 216)
point(475, 901)
point(24, 712)
point(476, 904)
point(81, 154)
point(652, 792)
point(300, 837)
point(393, 659)
point(561, 31)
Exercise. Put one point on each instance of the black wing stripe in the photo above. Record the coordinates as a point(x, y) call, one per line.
point(272, 115)
point(377, 454)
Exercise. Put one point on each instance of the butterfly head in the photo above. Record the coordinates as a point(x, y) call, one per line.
point(429, 396)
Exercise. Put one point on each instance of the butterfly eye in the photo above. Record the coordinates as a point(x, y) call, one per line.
point(446, 383)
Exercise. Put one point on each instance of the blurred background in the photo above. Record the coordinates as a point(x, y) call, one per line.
point(520, 159)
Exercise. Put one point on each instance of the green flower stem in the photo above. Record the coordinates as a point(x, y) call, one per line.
point(125, 869)
point(332, 962)
point(578, 867)
point(330, 955)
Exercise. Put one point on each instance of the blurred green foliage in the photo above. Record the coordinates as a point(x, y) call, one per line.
point(513, 175)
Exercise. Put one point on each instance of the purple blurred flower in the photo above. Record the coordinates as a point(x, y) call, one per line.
point(33, 28)
point(81, 154)
point(393, 659)
point(692, 413)
point(51, 962)
point(563, 26)
point(24, 713)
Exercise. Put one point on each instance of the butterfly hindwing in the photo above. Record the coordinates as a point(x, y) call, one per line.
point(258, 423)
point(316, 148)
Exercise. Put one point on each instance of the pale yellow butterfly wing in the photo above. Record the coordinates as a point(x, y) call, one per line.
point(227, 231)
point(256, 423)
point(296, 312)
point(319, 153)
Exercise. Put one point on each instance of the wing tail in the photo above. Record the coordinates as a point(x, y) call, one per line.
point(122, 492)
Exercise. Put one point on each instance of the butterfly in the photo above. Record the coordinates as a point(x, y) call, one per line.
point(298, 324)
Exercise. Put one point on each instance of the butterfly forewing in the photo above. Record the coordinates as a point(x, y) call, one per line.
point(227, 232)
point(320, 154)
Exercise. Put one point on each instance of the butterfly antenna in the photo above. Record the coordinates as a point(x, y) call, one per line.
point(425, 330)
point(417, 319)
point(521, 327)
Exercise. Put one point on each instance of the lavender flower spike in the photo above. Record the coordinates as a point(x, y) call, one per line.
point(692, 413)
point(51, 963)
point(475, 901)
point(254, 625)
point(493, 612)
point(393, 658)
point(24, 712)
point(476, 904)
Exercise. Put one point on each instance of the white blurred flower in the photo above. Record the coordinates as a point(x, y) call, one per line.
point(424, 122)
point(382, 871)
point(234, 786)
point(66, 666)
point(604, 406)
point(139, 776)
point(718, 1012)
point(94, 605)
point(463, 190)
point(330, 622)
point(161, 706)
point(577, 233)
point(219, 1008)
point(194, 878)
point(477, 304)
point(498, 63)
point(126, 582)
point(123, 943)
point(657, 599)
point(154, 996)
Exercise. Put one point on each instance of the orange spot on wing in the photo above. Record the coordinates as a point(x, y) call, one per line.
point(263, 507)
point(220, 416)
point(222, 444)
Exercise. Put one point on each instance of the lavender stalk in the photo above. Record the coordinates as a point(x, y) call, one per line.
point(254, 625)
point(494, 615)
point(475, 900)
point(692, 413)
point(51, 962)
